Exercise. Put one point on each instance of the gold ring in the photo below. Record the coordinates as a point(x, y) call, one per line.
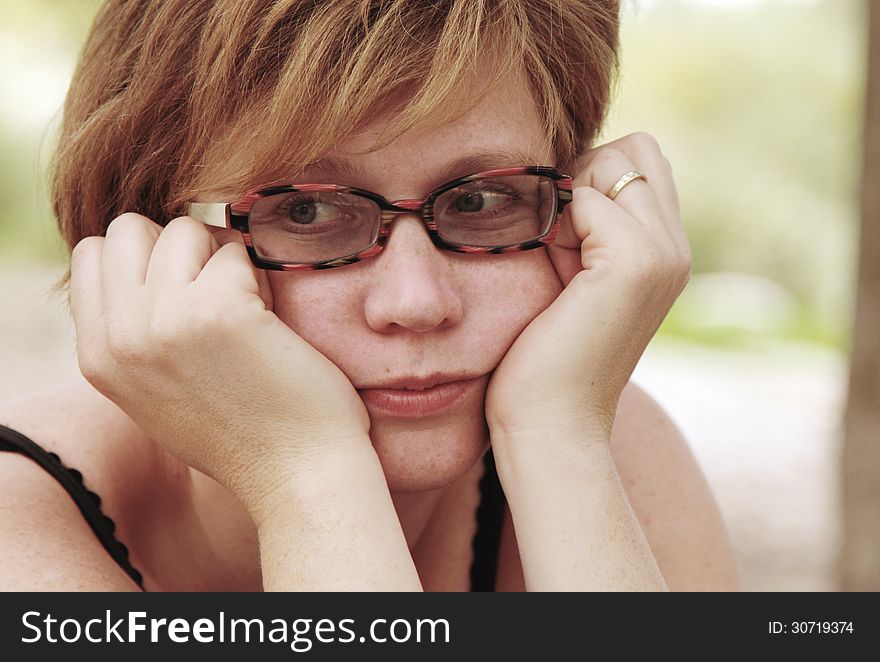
point(631, 176)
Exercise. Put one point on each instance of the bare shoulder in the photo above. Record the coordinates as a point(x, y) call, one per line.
point(88, 432)
point(670, 496)
point(48, 544)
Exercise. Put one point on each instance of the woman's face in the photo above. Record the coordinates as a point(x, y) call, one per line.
point(415, 310)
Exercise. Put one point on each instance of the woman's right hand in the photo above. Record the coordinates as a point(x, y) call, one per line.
point(176, 327)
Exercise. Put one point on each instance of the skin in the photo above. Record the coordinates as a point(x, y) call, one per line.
point(553, 335)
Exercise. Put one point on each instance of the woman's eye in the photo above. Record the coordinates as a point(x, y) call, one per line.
point(308, 212)
point(304, 213)
point(477, 201)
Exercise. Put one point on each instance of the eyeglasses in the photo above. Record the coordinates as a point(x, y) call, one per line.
point(321, 226)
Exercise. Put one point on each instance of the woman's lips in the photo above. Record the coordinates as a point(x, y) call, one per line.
point(404, 403)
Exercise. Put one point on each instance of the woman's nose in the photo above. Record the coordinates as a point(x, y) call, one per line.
point(410, 286)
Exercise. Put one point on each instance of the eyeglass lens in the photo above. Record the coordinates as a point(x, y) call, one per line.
point(315, 226)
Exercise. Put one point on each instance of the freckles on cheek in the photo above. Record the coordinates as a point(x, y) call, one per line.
point(512, 292)
point(311, 303)
point(525, 285)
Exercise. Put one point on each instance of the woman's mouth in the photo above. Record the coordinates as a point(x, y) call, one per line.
point(412, 403)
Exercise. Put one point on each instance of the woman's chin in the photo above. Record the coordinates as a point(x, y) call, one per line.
point(419, 456)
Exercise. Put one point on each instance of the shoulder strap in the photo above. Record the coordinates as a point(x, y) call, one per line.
point(71, 480)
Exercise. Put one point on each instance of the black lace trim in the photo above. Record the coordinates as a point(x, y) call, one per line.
point(487, 541)
point(88, 502)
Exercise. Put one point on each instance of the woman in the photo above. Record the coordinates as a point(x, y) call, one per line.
point(252, 419)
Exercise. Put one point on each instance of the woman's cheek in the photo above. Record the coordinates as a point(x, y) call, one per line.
point(519, 288)
point(320, 307)
point(529, 284)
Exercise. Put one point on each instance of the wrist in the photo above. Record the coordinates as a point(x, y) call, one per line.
point(331, 525)
point(560, 408)
point(294, 482)
point(542, 451)
point(585, 427)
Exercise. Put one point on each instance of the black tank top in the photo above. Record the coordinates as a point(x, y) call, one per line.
point(485, 544)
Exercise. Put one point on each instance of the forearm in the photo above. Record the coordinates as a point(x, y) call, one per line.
point(334, 528)
point(574, 526)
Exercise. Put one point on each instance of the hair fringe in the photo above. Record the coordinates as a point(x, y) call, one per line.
point(163, 90)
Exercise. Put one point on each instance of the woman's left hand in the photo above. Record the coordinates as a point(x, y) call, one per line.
point(622, 264)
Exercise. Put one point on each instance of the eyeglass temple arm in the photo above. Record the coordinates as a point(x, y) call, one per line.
point(210, 213)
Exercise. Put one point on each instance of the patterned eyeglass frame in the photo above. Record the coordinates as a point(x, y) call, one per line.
point(235, 215)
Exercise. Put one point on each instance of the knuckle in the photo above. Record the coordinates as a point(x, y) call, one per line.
point(236, 250)
point(211, 317)
point(93, 363)
point(103, 379)
point(132, 224)
point(644, 140)
point(84, 247)
point(125, 221)
point(607, 155)
point(92, 369)
point(185, 224)
point(189, 230)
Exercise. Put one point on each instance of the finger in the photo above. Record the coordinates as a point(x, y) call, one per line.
point(600, 223)
point(597, 169)
point(603, 169)
point(226, 236)
point(566, 238)
point(592, 220)
point(645, 153)
point(180, 253)
point(231, 267)
point(86, 305)
point(593, 225)
point(128, 243)
point(648, 157)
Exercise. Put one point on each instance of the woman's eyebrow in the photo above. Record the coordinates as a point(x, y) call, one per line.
point(471, 163)
point(463, 165)
point(336, 166)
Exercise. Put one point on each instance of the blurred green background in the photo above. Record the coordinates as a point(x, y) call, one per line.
point(39, 42)
point(756, 103)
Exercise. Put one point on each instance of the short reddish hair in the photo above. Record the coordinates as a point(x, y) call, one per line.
point(160, 86)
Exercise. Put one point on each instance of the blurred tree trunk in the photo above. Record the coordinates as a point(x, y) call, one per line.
point(860, 562)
